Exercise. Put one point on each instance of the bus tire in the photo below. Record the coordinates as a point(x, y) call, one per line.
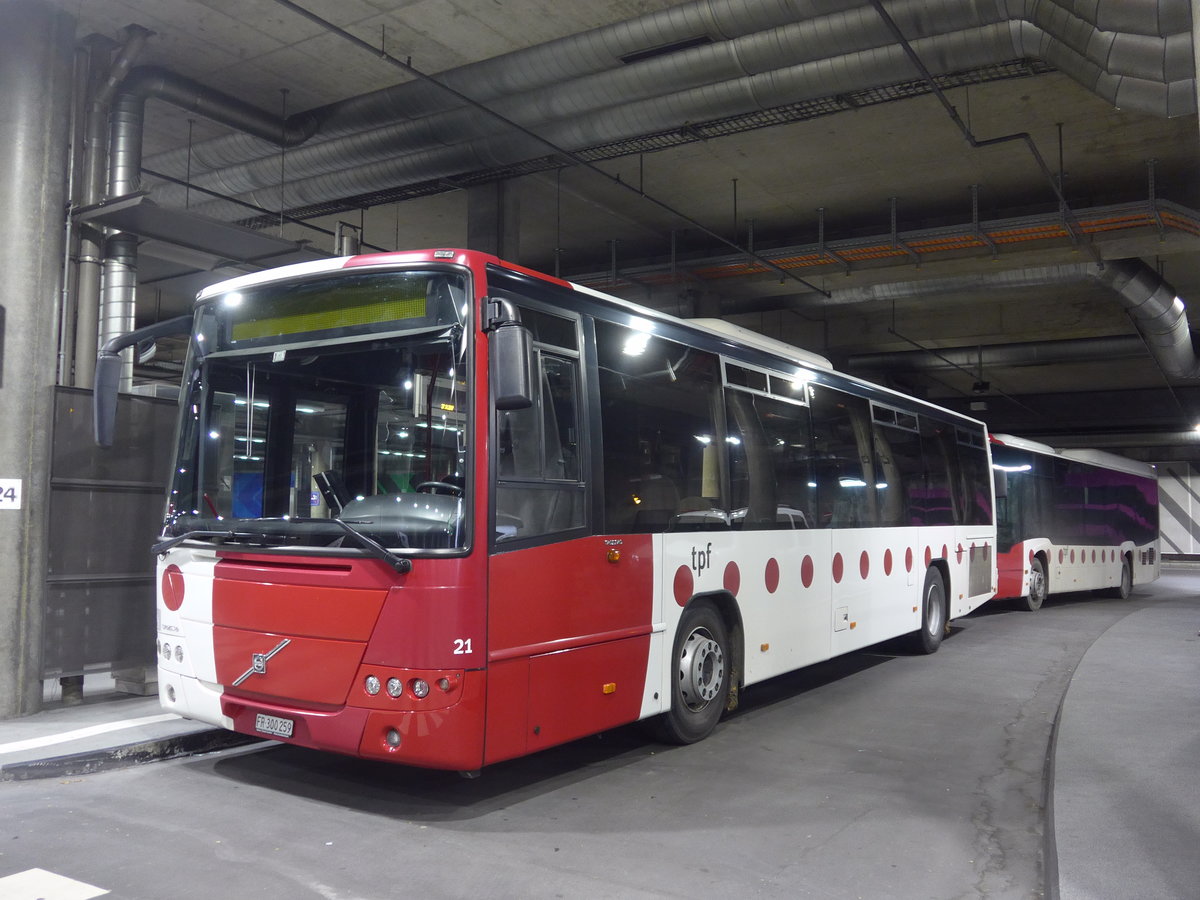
point(934, 619)
point(1038, 587)
point(1125, 588)
point(700, 676)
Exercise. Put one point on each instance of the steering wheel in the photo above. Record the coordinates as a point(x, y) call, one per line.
point(439, 487)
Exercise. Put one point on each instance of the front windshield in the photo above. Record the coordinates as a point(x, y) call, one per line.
point(276, 444)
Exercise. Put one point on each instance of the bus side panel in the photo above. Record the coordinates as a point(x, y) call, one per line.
point(582, 691)
point(877, 576)
point(780, 584)
point(507, 717)
point(558, 613)
point(1012, 568)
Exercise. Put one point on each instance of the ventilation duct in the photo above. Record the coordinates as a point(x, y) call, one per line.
point(1155, 309)
point(124, 169)
point(578, 94)
point(1158, 313)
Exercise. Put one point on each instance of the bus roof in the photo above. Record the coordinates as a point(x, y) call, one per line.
point(1011, 440)
point(1111, 461)
point(1100, 458)
point(755, 339)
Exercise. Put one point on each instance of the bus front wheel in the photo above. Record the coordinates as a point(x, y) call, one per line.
point(933, 614)
point(1038, 589)
point(700, 676)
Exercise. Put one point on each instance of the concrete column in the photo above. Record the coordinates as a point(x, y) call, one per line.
point(1196, 48)
point(493, 219)
point(36, 72)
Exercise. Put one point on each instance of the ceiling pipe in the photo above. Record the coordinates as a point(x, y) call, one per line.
point(1157, 311)
point(91, 251)
point(126, 121)
point(1041, 353)
point(147, 82)
point(528, 70)
point(1142, 71)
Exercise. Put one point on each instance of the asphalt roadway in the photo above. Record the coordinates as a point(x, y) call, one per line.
point(1049, 754)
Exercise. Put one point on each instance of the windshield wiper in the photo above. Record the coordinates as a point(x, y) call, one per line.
point(163, 546)
point(399, 563)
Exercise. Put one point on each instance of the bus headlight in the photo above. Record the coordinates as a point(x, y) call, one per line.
point(372, 685)
point(395, 687)
point(420, 688)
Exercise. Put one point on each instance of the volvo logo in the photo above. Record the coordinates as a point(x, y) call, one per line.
point(258, 662)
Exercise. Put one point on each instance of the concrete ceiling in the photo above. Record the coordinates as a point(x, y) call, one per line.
point(888, 171)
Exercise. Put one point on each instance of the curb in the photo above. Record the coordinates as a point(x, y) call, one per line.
point(110, 759)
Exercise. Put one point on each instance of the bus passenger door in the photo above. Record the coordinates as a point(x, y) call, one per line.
point(569, 612)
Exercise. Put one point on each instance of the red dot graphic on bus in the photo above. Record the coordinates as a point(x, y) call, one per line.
point(1093, 556)
point(838, 568)
point(1062, 554)
point(887, 562)
point(958, 554)
point(928, 556)
point(683, 585)
point(1072, 557)
point(945, 552)
point(806, 571)
point(864, 565)
point(172, 587)
point(908, 559)
point(771, 575)
point(733, 578)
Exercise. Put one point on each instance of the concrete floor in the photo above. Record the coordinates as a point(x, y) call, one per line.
point(877, 775)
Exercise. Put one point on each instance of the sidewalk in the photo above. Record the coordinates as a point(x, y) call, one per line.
point(1125, 820)
point(108, 730)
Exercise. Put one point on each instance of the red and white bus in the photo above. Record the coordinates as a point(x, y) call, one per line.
point(438, 509)
point(1072, 520)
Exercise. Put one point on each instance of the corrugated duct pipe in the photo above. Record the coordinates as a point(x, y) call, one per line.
point(1042, 353)
point(1157, 311)
point(1150, 71)
point(126, 121)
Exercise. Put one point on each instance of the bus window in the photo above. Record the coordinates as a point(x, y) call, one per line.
point(976, 476)
point(845, 466)
point(940, 503)
point(900, 476)
point(539, 487)
point(661, 439)
point(770, 463)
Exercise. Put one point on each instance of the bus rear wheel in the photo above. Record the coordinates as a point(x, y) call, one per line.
point(700, 676)
point(929, 636)
point(1038, 589)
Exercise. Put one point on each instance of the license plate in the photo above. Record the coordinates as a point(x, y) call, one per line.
point(275, 725)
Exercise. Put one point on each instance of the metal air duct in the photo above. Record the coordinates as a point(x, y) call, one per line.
point(818, 55)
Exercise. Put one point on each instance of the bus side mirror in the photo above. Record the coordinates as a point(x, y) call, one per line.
point(108, 372)
point(510, 355)
point(1000, 479)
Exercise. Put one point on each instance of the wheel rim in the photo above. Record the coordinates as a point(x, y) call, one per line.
point(1037, 584)
point(701, 669)
point(935, 611)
